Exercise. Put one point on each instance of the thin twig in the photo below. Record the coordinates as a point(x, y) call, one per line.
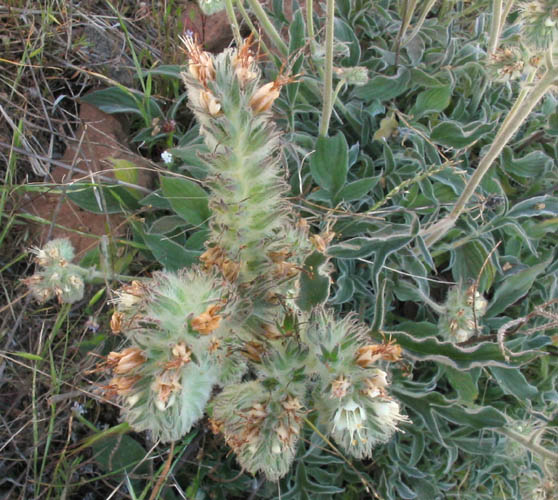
point(164, 474)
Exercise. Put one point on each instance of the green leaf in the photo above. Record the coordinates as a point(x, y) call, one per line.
point(212, 7)
point(296, 32)
point(382, 244)
point(186, 198)
point(419, 77)
point(122, 456)
point(172, 70)
point(427, 403)
point(534, 164)
point(126, 171)
point(330, 162)
point(553, 124)
point(455, 135)
point(447, 353)
point(305, 488)
point(167, 224)
point(383, 87)
point(415, 49)
point(196, 241)
point(357, 189)
point(346, 35)
point(433, 100)
point(467, 262)
point(536, 206)
point(27, 355)
point(156, 200)
point(364, 246)
point(345, 290)
point(191, 154)
point(513, 287)
point(314, 282)
point(121, 100)
point(169, 254)
point(101, 199)
point(463, 384)
point(513, 382)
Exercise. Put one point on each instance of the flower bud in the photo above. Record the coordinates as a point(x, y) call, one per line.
point(200, 63)
point(208, 321)
point(339, 387)
point(125, 361)
point(122, 385)
point(244, 63)
point(376, 385)
point(165, 385)
point(209, 103)
point(116, 322)
point(264, 97)
point(370, 354)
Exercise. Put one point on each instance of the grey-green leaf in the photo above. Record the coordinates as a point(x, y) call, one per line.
point(385, 87)
point(330, 162)
point(433, 100)
point(454, 135)
point(513, 382)
point(170, 255)
point(514, 287)
point(314, 282)
point(186, 198)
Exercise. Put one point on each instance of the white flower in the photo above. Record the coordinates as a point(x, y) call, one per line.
point(350, 417)
point(78, 408)
point(166, 157)
point(387, 413)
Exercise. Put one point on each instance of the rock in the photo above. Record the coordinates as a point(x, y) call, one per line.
point(99, 138)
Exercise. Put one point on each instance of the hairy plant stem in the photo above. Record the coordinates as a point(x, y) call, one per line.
point(521, 97)
point(419, 23)
point(328, 69)
point(535, 448)
point(268, 27)
point(518, 114)
point(499, 16)
point(253, 29)
point(495, 26)
point(310, 20)
point(233, 22)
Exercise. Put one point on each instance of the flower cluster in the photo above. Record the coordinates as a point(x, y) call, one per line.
point(176, 349)
point(228, 336)
point(351, 394)
point(539, 23)
point(462, 311)
point(262, 427)
point(57, 276)
point(509, 63)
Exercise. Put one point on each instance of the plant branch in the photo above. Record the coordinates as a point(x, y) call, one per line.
point(509, 127)
point(310, 19)
point(328, 69)
point(268, 27)
point(535, 448)
point(495, 26)
point(256, 33)
point(233, 22)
